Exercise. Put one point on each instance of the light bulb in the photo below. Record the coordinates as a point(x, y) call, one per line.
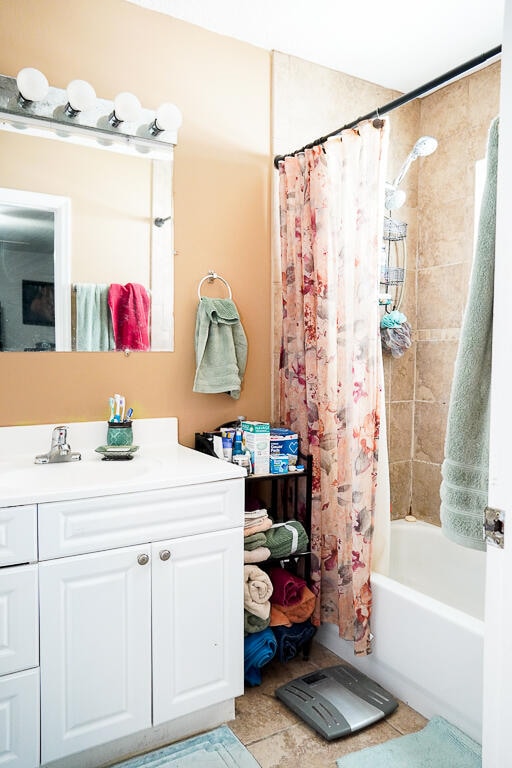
point(127, 108)
point(80, 95)
point(32, 85)
point(168, 118)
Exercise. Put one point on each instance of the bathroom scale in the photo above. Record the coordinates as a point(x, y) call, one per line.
point(337, 701)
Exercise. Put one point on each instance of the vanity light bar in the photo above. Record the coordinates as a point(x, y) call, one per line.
point(108, 123)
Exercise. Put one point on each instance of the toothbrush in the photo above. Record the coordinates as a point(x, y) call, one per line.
point(122, 404)
point(117, 399)
point(111, 404)
point(129, 414)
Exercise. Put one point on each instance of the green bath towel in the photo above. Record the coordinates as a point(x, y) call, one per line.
point(465, 473)
point(221, 348)
point(93, 320)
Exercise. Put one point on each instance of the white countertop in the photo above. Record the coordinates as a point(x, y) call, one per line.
point(160, 462)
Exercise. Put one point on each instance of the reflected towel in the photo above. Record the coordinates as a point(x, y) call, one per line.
point(129, 305)
point(94, 331)
point(220, 346)
point(291, 639)
point(465, 469)
point(257, 591)
point(259, 649)
point(287, 588)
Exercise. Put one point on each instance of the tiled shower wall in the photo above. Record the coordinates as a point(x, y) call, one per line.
point(309, 101)
point(459, 116)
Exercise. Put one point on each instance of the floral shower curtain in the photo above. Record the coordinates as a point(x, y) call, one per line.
point(331, 215)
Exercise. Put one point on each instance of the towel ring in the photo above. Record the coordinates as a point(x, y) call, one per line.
point(211, 276)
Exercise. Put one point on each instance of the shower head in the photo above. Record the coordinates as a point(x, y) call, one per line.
point(423, 147)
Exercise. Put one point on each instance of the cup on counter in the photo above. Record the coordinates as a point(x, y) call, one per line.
point(119, 433)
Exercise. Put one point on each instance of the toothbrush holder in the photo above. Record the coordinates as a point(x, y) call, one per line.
point(119, 433)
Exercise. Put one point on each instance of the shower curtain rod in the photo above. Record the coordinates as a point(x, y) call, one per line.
point(404, 99)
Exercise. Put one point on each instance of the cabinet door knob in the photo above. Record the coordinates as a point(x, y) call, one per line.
point(165, 554)
point(143, 559)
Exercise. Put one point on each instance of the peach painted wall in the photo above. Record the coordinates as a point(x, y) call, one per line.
point(221, 193)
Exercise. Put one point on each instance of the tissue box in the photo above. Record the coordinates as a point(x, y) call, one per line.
point(284, 442)
point(257, 441)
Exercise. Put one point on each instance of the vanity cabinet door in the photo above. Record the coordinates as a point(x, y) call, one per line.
point(95, 649)
point(19, 720)
point(197, 622)
point(19, 647)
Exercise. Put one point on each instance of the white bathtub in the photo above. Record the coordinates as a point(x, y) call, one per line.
point(427, 626)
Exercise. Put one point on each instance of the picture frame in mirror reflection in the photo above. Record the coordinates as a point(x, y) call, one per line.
point(38, 302)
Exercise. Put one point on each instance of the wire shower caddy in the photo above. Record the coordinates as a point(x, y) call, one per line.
point(394, 262)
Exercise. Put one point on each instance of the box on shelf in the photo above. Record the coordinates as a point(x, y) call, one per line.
point(278, 464)
point(257, 441)
point(285, 443)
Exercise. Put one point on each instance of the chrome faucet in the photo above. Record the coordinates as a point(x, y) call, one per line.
point(60, 449)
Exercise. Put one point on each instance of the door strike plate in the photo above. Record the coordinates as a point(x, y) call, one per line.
point(494, 527)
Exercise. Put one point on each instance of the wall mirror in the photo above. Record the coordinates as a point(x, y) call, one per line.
point(77, 210)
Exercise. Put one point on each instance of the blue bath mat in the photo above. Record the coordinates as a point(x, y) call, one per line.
point(216, 749)
point(437, 745)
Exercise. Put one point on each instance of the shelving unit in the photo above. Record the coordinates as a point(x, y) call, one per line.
point(284, 504)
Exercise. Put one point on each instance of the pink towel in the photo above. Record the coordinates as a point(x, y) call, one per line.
point(129, 306)
point(288, 588)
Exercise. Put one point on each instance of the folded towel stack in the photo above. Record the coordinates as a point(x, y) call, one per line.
point(286, 587)
point(256, 523)
point(290, 640)
point(259, 649)
point(254, 623)
point(284, 539)
point(292, 605)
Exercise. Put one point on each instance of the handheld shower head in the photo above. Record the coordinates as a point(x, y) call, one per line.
point(423, 147)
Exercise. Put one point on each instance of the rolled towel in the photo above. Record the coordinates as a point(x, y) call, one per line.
point(302, 610)
point(262, 525)
point(257, 591)
point(285, 539)
point(253, 623)
point(287, 588)
point(258, 555)
point(259, 649)
point(255, 540)
point(291, 639)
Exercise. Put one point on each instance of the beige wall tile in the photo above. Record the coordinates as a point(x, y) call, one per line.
point(401, 421)
point(429, 431)
point(434, 370)
point(440, 300)
point(402, 387)
point(400, 478)
point(425, 494)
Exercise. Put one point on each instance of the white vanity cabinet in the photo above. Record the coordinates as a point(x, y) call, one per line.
point(138, 635)
point(19, 646)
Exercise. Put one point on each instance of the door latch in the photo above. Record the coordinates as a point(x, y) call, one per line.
point(494, 527)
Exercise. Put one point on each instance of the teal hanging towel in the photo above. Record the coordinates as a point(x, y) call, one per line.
point(465, 472)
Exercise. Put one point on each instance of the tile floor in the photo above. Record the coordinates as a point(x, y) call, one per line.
point(279, 739)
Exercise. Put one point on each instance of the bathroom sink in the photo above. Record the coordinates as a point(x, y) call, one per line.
point(91, 472)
